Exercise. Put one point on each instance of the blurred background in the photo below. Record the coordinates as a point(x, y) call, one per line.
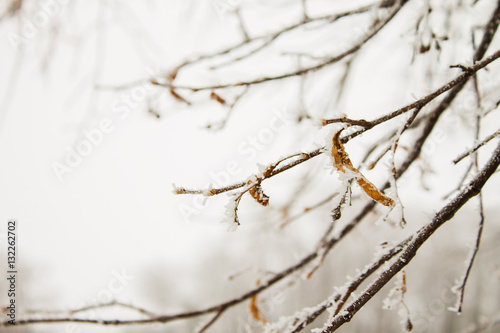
point(105, 225)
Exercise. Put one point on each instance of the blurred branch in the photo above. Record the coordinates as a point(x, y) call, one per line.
point(394, 8)
point(375, 29)
point(476, 147)
point(231, 106)
point(460, 289)
point(212, 320)
point(324, 245)
point(13, 9)
point(112, 304)
point(398, 256)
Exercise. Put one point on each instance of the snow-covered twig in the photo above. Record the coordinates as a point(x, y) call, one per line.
point(476, 147)
point(444, 215)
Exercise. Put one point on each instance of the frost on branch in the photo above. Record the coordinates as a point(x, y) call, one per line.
point(256, 191)
point(252, 185)
point(231, 213)
point(178, 190)
point(254, 188)
point(395, 299)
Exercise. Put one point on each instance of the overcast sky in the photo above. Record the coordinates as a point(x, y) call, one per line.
point(87, 172)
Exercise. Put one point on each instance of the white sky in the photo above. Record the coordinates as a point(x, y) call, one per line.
point(116, 210)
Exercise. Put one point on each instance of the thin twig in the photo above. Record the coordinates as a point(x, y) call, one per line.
point(111, 304)
point(461, 79)
point(212, 320)
point(357, 46)
point(341, 298)
point(268, 39)
point(476, 147)
point(461, 288)
point(242, 25)
point(308, 209)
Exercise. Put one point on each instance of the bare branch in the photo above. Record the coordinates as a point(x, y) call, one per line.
point(212, 320)
point(357, 46)
point(444, 215)
point(476, 147)
point(456, 85)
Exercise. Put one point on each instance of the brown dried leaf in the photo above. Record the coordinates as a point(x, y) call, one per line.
point(217, 98)
point(341, 161)
point(259, 195)
point(372, 191)
point(255, 311)
point(180, 190)
point(340, 157)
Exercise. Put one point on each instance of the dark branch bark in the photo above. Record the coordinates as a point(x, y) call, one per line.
point(444, 215)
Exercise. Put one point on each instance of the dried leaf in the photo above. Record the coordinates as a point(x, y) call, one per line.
point(217, 98)
point(255, 311)
point(373, 191)
point(179, 190)
point(340, 157)
point(341, 162)
point(259, 195)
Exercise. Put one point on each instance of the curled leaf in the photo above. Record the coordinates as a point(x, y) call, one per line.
point(255, 311)
point(342, 162)
point(373, 191)
point(259, 195)
point(340, 157)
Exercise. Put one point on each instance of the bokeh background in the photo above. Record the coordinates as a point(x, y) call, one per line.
point(111, 229)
